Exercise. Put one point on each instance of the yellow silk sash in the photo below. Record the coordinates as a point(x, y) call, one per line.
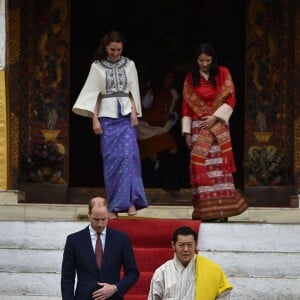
point(211, 280)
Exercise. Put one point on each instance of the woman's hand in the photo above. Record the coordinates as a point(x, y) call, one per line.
point(208, 121)
point(133, 118)
point(133, 115)
point(188, 140)
point(96, 125)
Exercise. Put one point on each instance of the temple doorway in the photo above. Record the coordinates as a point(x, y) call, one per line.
point(158, 33)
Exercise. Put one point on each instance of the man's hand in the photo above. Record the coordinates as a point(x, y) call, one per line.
point(105, 292)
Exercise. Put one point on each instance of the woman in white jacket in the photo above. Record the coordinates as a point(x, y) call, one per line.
point(111, 97)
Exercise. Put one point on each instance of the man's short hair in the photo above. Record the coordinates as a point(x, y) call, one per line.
point(184, 230)
point(96, 202)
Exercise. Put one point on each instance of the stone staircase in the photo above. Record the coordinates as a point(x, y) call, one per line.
point(262, 260)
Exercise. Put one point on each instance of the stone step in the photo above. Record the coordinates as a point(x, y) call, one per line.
point(272, 264)
point(239, 237)
point(71, 212)
point(35, 286)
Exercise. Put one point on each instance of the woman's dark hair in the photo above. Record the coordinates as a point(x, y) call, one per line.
point(208, 49)
point(184, 231)
point(110, 36)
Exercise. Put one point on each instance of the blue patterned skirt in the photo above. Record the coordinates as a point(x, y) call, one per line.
point(122, 165)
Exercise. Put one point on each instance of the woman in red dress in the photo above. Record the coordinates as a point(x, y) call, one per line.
point(208, 102)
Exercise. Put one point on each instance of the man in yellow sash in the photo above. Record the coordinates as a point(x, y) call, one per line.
point(188, 276)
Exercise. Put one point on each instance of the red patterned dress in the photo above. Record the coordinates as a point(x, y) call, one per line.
point(211, 159)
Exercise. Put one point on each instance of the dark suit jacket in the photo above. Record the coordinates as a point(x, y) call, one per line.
point(79, 258)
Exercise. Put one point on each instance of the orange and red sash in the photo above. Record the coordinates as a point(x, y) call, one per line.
point(219, 131)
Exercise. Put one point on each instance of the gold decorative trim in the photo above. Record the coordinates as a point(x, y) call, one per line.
point(13, 36)
point(14, 126)
point(296, 146)
point(3, 133)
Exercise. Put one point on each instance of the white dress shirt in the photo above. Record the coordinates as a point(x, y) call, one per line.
point(93, 235)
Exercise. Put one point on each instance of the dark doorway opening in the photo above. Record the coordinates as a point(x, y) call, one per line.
point(158, 34)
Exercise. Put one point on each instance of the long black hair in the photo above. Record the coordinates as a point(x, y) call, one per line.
point(208, 49)
point(110, 36)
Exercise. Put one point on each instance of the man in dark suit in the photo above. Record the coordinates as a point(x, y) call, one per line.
point(94, 282)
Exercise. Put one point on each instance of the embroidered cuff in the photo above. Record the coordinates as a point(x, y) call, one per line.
point(224, 112)
point(186, 124)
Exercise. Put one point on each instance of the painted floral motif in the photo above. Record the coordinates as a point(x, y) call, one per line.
point(46, 162)
point(266, 164)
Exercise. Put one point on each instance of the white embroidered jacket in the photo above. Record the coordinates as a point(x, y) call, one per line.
point(112, 82)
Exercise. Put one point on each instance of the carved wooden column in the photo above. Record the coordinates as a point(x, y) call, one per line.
point(3, 107)
point(270, 101)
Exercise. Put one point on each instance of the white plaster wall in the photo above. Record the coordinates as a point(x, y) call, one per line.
point(2, 34)
point(262, 261)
